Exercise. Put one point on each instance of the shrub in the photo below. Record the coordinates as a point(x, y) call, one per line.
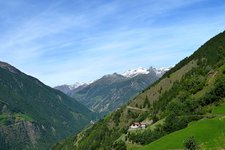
point(190, 143)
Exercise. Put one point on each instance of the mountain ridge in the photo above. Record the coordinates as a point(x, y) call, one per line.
point(111, 91)
point(35, 112)
point(9, 67)
point(128, 73)
point(185, 94)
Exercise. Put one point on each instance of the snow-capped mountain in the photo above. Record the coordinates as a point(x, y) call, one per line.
point(134, 72)
point(160, 71)
point(113, 90)
point(76, 85)
point(68, 88)
point(128, 74)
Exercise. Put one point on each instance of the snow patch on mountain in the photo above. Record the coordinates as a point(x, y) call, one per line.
point(128, 74)
point(160, 71)
point(76, 85)
point(134, 72)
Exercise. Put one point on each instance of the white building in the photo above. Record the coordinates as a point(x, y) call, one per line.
point(138, 125)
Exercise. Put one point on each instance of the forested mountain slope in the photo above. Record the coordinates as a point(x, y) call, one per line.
point(114, 90)
point(188, 92)
point(33, 115)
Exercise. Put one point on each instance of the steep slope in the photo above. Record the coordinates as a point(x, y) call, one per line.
point(67, 89)
point(112, 91)
point(208, 132)
point(33, 115)
point(186, 93)
point(63, 88)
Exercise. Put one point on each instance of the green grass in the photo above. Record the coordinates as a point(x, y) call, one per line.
point(130, 146)
point(153, 126)
point(3, 118)
point(133, 146)
point(122, 137)
point(209, 134)
point(219, 110)
point(222, 68)
point(20, 116)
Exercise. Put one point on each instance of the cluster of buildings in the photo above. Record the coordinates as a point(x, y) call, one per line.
point(138, 125)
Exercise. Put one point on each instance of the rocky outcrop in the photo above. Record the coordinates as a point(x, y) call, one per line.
point(20, 133)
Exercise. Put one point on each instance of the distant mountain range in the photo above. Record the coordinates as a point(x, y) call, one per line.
point(135, 72)
point(112, 91)
point(67, 89)
point(33, 115)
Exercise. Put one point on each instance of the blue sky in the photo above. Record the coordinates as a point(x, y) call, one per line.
point(64, 41)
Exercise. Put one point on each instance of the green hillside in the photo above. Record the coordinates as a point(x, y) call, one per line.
point(187, 93)
point(33, 115)
point(209, 134)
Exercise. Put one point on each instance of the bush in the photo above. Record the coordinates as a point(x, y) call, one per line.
point(120, 145)
point(190, 143)
point(220, 87)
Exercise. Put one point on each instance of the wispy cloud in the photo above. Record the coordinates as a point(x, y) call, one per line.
point(82, 40)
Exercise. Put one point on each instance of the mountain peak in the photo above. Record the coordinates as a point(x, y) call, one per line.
point(76, 85)
point(8, 67)
point(115, 77)
point(111, 75)
point(159, 71)
point(134, 72)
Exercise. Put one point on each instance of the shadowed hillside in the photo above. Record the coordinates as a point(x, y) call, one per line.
point(33, 115)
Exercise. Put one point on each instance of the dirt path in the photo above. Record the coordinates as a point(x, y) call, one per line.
point(135, 108)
